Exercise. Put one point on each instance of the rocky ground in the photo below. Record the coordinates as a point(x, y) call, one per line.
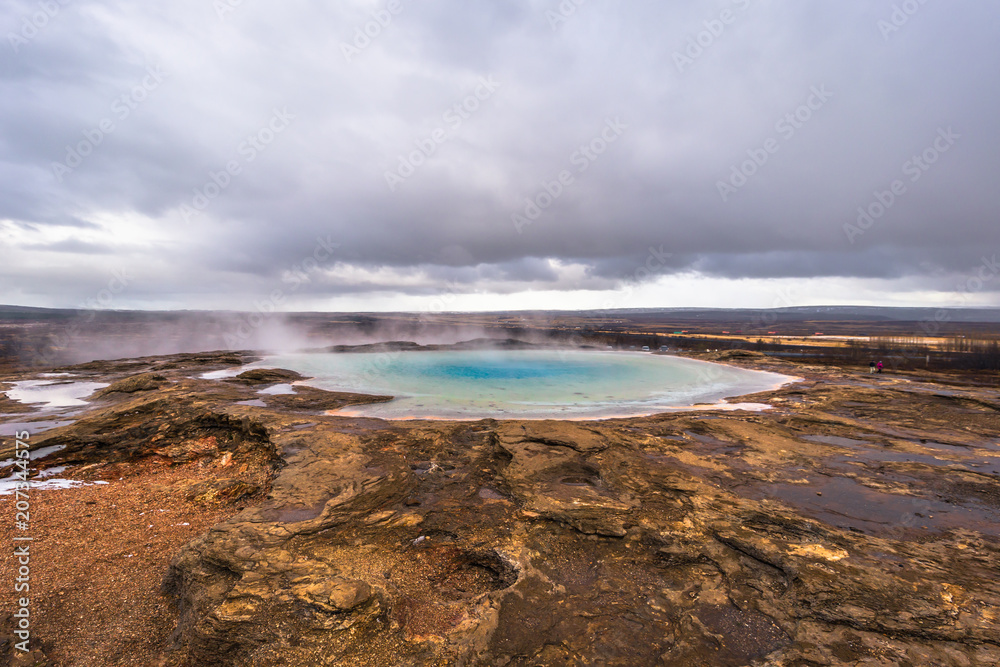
point(855, 523)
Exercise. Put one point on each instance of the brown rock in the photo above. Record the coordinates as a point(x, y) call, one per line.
point(334, 595)
point(259, 376)
point(130, 385)
point(680, 539)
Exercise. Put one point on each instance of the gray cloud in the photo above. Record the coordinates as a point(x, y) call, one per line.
point(447, 225)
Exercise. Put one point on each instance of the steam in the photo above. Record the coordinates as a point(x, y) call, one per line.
point(64, 337)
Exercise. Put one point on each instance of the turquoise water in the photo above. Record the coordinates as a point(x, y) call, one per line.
point(533, 384)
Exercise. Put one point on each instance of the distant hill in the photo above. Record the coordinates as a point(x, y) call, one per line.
point(812, 313)
point(788, 314)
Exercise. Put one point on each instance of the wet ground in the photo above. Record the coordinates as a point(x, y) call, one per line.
point(856, 522)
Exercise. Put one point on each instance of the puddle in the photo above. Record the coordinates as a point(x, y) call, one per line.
point(988, 467)
point(254, 403)
point(278, 389)
point(221, 375)
point(45, 479)
point(34, 428)
point(720, 446)
point(54, 394)
point(358, 425)
point(42, 452)
point(846, 503)
point(915, 438)
point(9, 485)
point(836, 441)
point(36, 454)
point(991, 467)
point(954, 448)
point(869, 451)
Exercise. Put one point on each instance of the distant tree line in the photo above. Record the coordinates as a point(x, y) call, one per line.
point(896, 352)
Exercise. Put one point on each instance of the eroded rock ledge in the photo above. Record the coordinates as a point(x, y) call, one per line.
point(856, 523)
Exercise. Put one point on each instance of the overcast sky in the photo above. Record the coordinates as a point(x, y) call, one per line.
point(464, 154)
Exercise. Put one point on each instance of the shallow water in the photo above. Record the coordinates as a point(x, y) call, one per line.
point(35, 454)
point(948, 455)
point(221, 375)
point(34, 428)
point(10, 484)
point(524, 383)
point(53, 393)
point(849, 504)
point(44, 479)
point(278, 390)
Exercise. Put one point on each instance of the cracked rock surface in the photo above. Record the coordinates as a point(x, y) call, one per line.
point(856, 523)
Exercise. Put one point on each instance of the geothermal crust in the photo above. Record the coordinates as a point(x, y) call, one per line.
point(855, 523)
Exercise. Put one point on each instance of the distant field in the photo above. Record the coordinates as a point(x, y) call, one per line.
point(957, 338)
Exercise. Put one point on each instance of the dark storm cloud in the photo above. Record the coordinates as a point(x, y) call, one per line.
point(734, 139)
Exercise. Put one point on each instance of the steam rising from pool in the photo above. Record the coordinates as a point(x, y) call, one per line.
point(527, 384)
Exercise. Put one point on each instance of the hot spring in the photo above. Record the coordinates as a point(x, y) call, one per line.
point(525, 384)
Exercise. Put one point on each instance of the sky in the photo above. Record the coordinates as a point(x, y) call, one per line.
point(471, 155)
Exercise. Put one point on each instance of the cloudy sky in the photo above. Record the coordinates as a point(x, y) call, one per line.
point(464, 154)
